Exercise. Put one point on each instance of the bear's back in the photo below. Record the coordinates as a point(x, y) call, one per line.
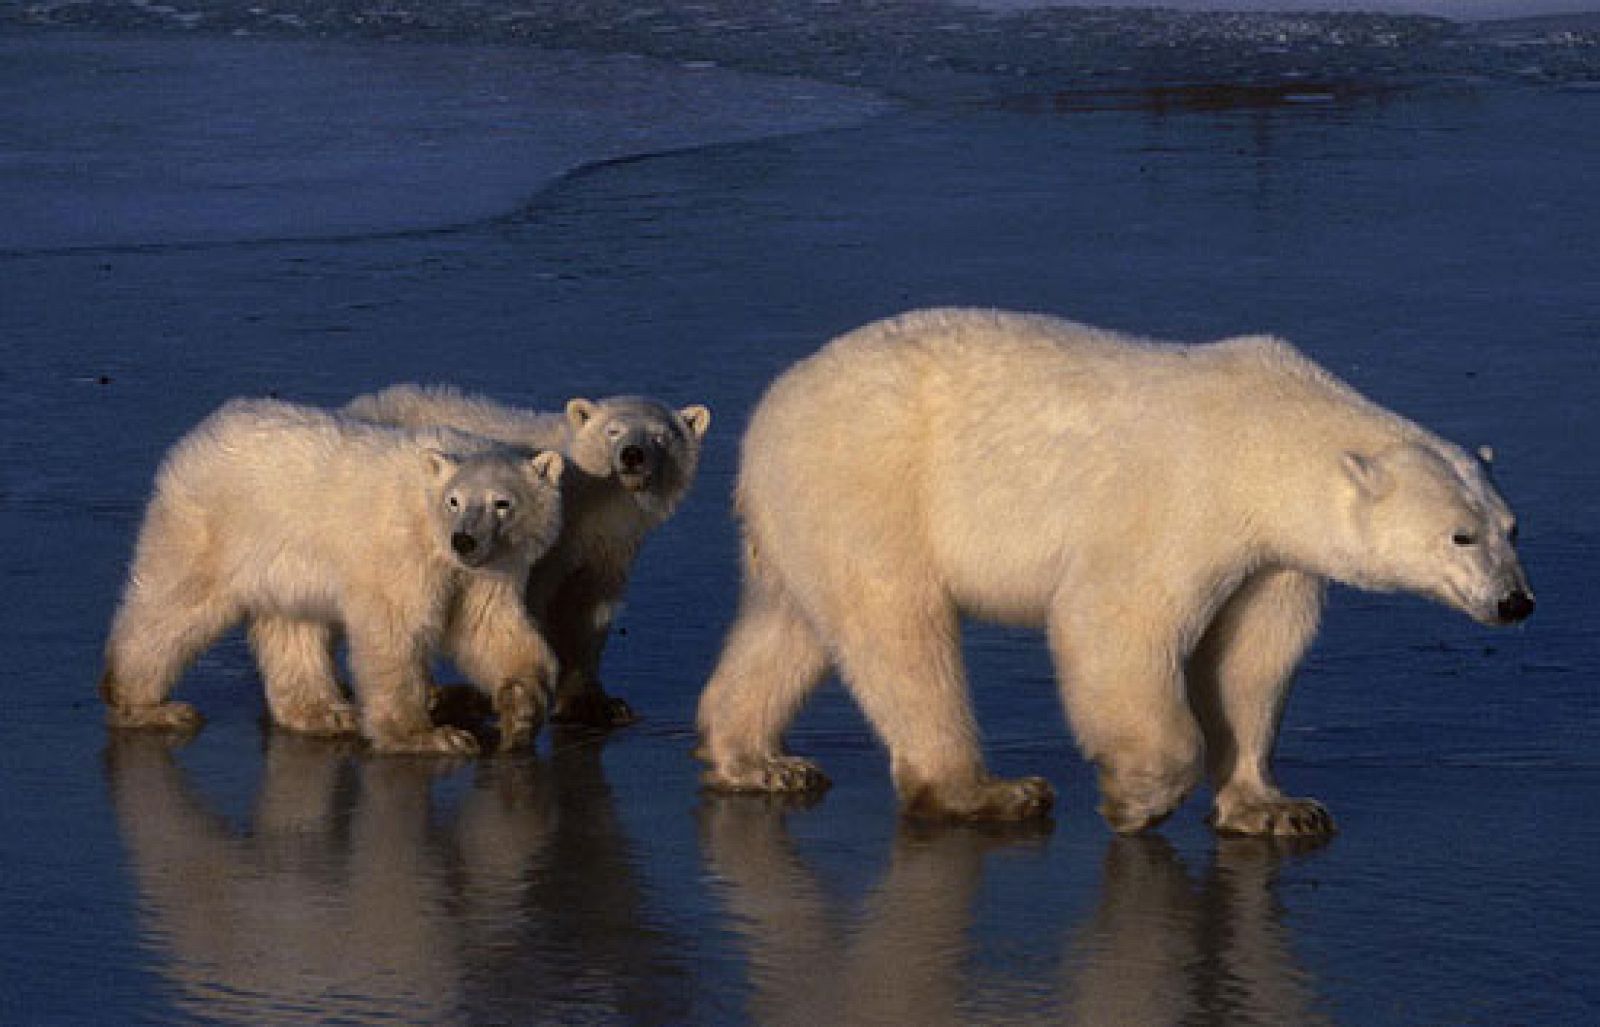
point(264, 468)
point(431, 406)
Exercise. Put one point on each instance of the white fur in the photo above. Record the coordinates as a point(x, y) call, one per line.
point(309, 524)
point(1168, 513)
point(609, 509)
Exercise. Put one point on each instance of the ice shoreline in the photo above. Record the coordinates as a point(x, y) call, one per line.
point(119, 142)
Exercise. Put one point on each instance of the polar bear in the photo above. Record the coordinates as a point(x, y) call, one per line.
point(630, 460)
point(308, 524)
point(1169, 513)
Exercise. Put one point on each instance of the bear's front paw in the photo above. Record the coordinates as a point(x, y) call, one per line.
point(441, 741)
point(780, 774)
point(177, 717)
point(1277, 817)
point(521, 709)
point(592, 708)
point(326, 719)
point(992, 799)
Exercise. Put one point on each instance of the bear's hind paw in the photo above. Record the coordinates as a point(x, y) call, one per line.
point(776, 774)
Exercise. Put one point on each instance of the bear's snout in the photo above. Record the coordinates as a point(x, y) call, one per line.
point(632, 457)
point(1516, 606)
point(464, 544)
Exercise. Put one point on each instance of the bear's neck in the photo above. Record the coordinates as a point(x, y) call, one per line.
point(1291, 486)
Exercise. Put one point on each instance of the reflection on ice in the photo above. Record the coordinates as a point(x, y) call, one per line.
point(1160, 946)
point(352, 895)
point(363, 889)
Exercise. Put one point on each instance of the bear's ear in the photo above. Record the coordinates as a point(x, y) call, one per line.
point(1486, 455)
point(698, 418)
point(441, 465)
point(546, 467)
point(1366, 472)
point(580, 412)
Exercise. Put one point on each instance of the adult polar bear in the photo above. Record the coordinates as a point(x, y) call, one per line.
point(1169, 513)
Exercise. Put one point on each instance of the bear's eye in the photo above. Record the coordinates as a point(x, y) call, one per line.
point(1464, 538)
point(453, 502)
point(502, 506)
point(614, 431)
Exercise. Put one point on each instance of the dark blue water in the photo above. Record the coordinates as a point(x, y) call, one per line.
point(1433, 244)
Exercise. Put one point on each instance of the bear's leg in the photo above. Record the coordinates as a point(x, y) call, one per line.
point(389, 665)
point(900, 655)
point(1239, 678)
point(1124, 696)
point(770, 663)
point(165, 621)
point(578, 620)
point(497, 647)
point(302, 682)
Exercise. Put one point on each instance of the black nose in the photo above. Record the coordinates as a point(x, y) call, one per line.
point(1516, 606)
point(463, 544)
point(632, 457)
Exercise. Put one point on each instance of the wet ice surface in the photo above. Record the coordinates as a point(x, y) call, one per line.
point(266, 140)
point(1434, 245)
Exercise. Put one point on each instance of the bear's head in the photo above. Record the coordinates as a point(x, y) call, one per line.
point(1427, 519)
point(645, 446)
point(499, 509)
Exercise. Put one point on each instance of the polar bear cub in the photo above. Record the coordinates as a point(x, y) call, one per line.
point(1168, 513)
point(630, 460)
point(308, 524)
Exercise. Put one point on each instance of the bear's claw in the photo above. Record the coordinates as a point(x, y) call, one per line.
point(993, 799)
point(778, 774)
point(521, 709)
point(329, 719)
point(593, 708)
point(165, 716)
point(441, 741)
point(1281, 818)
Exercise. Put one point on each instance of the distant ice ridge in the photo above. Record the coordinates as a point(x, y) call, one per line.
point(923, 49)
point(1456, 10)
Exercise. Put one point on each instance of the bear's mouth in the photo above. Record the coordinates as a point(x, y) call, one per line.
point(634, 481)
point(473, 560)
point(470, 550)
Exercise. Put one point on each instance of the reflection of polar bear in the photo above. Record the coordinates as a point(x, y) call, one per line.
point(1151, 951)
point(1170, 513)
point(629, 462)
point(306, 523)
